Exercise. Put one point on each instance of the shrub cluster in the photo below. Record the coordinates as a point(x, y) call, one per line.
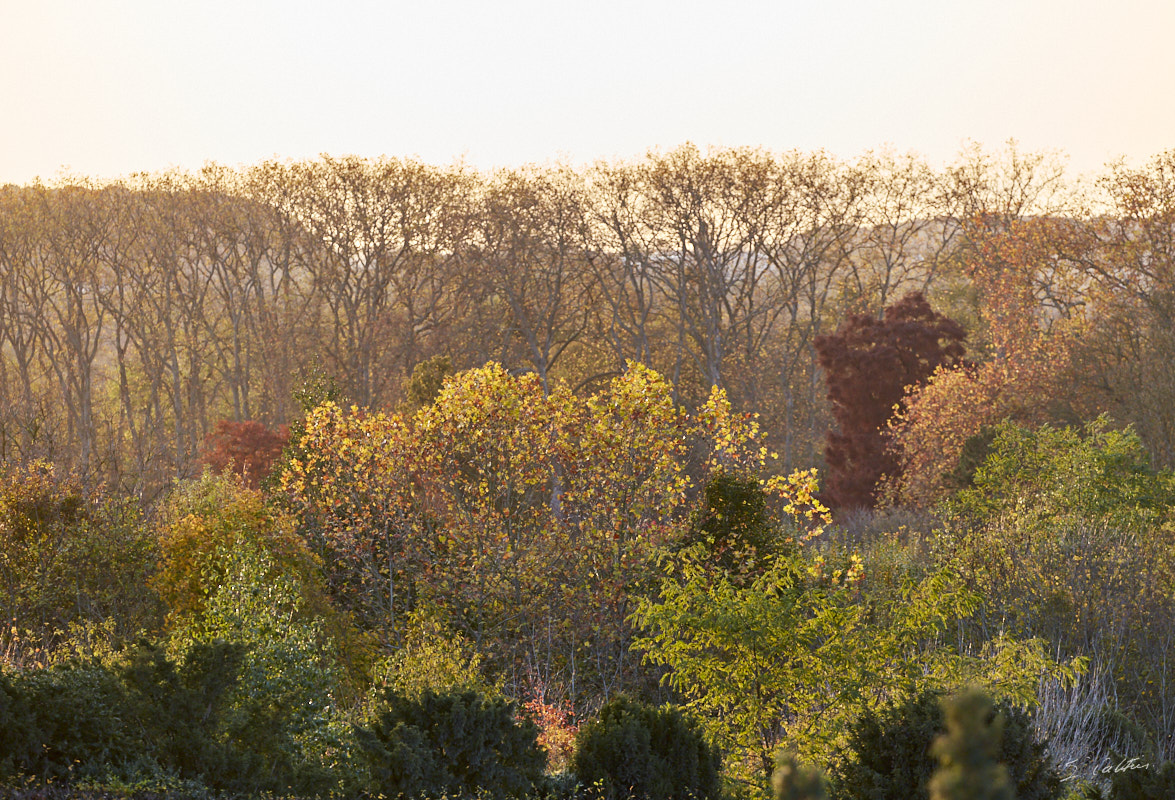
point(1149, 782)
point(888, 754)
point(154, 721)
point(147, 717)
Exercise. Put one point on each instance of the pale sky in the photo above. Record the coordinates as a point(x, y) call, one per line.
point(107, 88)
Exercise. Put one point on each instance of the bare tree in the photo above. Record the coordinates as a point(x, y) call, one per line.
point(26, 422)
point(387, 231)
point(533, 246)
point(1127, 250)
point(627, 249)
point(905, 232)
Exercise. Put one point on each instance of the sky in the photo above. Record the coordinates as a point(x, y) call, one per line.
point(104, 88)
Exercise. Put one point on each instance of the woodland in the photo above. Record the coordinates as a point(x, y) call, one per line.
point(725, 474)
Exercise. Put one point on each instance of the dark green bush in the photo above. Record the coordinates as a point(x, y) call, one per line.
point(79, 721)
point(148, 719)
point(634, 750)
point(452, 743)
point(177, 713)
point(17, 728)
point(888, 754)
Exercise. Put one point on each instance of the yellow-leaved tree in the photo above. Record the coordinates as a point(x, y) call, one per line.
point(531, 515)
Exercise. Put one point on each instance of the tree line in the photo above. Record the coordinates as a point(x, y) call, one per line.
point(137, 314)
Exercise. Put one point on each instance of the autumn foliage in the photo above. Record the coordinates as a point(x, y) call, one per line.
point(868, 365)
point(248, 448)
point(553, 486)
point(531, 515)
point(217, 514)
point(1023, 374)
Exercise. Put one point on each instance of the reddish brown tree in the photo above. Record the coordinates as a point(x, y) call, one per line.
point(248, 448)
point(868, 365)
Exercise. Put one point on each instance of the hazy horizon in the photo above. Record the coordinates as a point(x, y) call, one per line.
point(108, 88)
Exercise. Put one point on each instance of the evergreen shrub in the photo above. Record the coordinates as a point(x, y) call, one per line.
point(1149, 782)
point(634, 750)
point(455, 743)
point(17, 728)
point(793, 780)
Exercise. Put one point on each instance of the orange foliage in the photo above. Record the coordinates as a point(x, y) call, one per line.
point(557, 729)
point(1026, 292)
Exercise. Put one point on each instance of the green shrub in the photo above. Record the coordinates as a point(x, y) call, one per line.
point(17, 728)
point(70, 555)
point(1069, 536)
point(205, 721)
point(1049, 475)
point(79, 723)
point(178, 709)
point(634, 750)
point(735, 526)
point(888, 754)
point(433, 656)
point(279, 714)
point(85, 720)
point(451, 743)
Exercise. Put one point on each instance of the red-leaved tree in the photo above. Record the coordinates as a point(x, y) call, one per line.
point(868, 365)
point(248, 448)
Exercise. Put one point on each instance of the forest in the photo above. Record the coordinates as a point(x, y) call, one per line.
point(726, 474)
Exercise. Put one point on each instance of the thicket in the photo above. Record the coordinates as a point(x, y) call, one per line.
point(405, 573)
point(72, 559)
point(1137, 781)
point(145, 718)
point(1067, 535)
